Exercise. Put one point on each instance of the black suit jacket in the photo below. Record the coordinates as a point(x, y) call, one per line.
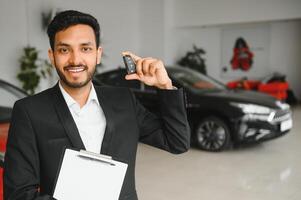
point(42, 127)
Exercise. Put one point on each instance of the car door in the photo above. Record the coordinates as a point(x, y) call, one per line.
point(147, 95)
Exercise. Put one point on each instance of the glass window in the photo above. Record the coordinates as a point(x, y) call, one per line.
point(117, 78)
point(193, 79)
point(8, 95)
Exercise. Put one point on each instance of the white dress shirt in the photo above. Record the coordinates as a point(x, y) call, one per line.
point(90, 119)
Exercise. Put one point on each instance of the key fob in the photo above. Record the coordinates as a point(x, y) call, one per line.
point(129, 64)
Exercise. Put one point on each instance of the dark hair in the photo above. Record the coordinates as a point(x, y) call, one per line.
point(65, 19)
point(241, 43)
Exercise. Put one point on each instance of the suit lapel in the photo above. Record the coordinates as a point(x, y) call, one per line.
point(66, 118)
point(107, 107)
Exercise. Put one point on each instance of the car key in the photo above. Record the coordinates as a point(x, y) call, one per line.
point(129, 64)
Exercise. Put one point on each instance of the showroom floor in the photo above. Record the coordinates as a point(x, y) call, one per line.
point(268, 171)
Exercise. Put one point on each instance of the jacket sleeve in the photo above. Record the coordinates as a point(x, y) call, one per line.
point(169, 130)
point(21, 164)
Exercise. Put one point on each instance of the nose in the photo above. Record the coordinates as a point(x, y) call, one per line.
point(75, 58)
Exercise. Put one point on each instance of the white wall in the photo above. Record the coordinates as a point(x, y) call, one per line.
point(284, 57)
point(158, 28)
point(209, 12)
point(201, 22)
point(118, 19)
point(208, 39)
point(12, 37)
point(151, 28)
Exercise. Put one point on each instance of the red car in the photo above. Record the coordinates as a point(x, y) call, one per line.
point(9, 94)
point(274, 85)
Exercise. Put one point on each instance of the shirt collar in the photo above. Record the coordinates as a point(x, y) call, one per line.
point(70, 101)
point(93, 96)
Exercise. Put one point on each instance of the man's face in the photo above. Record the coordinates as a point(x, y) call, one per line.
point(75, 55)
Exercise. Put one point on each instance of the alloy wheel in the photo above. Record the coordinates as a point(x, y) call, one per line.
point(212, 134)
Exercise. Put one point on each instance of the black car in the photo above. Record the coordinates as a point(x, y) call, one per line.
point(218, 116)
point(8, 95)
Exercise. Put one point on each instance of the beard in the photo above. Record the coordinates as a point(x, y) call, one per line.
point(75, 84)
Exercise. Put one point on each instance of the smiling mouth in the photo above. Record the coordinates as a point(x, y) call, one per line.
point(75, 69)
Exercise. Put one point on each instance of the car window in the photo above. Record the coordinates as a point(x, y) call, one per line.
point(8, 95)
point(132, 84)
point(116, 78)
point(193, 79)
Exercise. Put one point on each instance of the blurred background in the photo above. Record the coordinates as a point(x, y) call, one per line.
point(166, 29)
point(204, 35)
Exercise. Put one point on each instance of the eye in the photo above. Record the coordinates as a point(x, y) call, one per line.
point(63, 50)
point(86, 49)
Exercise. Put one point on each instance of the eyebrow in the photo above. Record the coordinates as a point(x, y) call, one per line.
point(62, 44)
point(86, 44)
point(68, 45)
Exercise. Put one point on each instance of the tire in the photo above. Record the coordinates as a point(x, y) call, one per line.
point(212, 134)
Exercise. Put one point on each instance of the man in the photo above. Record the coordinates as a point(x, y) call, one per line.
point(77, 114)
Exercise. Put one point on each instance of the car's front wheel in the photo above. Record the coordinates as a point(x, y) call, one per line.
point(212, 134)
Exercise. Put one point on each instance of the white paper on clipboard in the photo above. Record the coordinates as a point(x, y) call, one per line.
point(86, 175)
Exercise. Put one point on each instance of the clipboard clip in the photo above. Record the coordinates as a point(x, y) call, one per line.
point(97, 157)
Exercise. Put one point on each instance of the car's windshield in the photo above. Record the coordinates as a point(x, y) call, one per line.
point(9, 94)
point(194, 79)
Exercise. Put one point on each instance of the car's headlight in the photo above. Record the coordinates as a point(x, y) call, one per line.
point(282, 106)
point(255, 112)
point(253, 108)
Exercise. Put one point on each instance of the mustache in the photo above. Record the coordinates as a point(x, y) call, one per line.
point(75, 66)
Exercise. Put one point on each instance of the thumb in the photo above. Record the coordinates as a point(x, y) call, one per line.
point(132, 77)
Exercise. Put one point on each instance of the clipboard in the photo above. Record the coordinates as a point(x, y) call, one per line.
point(87, 175)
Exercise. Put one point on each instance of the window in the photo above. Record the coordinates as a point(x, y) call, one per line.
point(9, 95)
point(117, 78)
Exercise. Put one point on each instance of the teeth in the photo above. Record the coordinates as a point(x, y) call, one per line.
point(76, 70)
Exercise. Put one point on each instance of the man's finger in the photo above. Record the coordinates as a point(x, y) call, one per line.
point(139, 67)
point(135, 57)
point(145, 65)
point(132, 77)
point(152, 69)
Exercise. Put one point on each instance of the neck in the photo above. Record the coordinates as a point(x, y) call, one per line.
point(80, 95)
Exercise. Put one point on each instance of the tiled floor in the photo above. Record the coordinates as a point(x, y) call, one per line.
point(268, 171)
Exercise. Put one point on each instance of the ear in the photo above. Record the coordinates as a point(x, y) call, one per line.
point(99, 53)
point(51, 56)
